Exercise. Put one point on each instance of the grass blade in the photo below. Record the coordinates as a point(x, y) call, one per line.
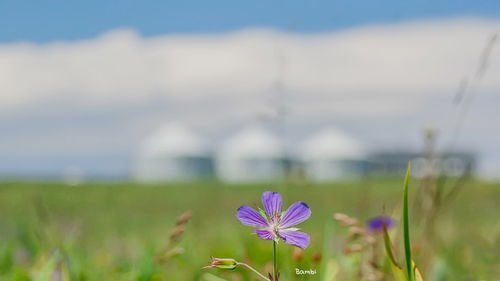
point(388, 247)
point(397, 272)
point(406, 227)
point(418, 275)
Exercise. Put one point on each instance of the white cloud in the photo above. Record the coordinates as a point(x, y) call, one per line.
point(411, 59)
point(404, 71)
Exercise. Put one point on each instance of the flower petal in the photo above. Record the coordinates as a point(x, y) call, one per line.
point(295, 238)
point(296, 214)
point(250, 217)
point(264, 234)
point(272, 203)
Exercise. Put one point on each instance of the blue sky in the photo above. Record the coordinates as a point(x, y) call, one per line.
point(44, 21)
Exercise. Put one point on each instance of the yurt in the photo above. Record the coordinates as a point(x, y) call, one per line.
point(252, 155)
point(173, 153)
point(332, 155)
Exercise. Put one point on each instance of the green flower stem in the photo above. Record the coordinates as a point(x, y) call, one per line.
point(275, 261)
point(254, 270)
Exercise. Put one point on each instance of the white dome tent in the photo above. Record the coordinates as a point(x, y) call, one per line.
point(252, 155)
point(173, 153)
point(332, 155)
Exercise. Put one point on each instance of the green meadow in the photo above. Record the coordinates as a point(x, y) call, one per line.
point(123, 231)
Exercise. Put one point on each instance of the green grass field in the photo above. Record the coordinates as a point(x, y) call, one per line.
point(114, 231)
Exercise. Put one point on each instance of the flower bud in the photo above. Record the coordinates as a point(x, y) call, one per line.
point(222, 264)
point(377, 224)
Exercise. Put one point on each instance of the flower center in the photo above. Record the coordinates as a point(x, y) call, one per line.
point(274, 224)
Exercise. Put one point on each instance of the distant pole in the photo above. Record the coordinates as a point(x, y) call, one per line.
point(281, 109)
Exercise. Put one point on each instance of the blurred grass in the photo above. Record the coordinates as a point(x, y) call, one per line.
point(111, 231)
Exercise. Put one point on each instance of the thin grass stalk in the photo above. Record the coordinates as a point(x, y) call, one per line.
point(254, 271)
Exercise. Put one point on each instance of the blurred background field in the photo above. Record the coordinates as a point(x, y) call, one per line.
point(119, 121)
point(115, 231)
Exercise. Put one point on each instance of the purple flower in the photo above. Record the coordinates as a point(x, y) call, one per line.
point(377, 224)
point(273, 224)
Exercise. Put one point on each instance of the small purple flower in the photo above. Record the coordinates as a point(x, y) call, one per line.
point(377, 224)
point(273, 224)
